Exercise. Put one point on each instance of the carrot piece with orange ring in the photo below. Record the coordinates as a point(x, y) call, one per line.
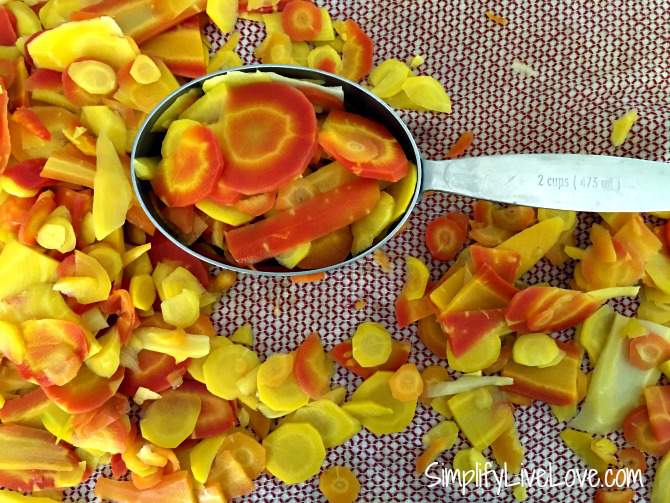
point(267, 136)
point(445, 236)
point(357, 51)
point(301, 20)
point(648, 351)
point(191, 164)
point(324, 213)
point(406, 383)
point(363, 146)
point(325, 58)
point(339, 485)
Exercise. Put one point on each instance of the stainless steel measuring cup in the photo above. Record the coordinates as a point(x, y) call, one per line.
point(557, 181)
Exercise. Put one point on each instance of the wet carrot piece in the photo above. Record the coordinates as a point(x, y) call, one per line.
point(461, 145)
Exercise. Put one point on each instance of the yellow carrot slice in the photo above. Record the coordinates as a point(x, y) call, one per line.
point(171, 420)
point(295, 452)
point(94, 77)
point(225, 366)
point(371, 344)
point(144, 70)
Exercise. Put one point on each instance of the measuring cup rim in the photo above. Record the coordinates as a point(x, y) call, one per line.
point(165, 102)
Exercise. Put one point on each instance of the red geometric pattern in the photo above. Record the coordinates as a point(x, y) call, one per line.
point(595, 59)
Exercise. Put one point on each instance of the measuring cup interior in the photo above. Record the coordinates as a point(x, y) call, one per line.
point(356, 99)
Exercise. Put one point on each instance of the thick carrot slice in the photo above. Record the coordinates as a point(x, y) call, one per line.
point(339, 485)
point(191, 164)
point(364, 146)
point(445, 237)
point(321, 215)
point(301, 20)
point(267, 135)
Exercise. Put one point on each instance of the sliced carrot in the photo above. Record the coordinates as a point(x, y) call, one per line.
point(406, 383)
point(267, 136)
point(363, 146)
point(230, 473)
point(295, 452)
point(445, 237)
point(371, 344)
point(247, 451)
point(301, 20)
point(339, 484)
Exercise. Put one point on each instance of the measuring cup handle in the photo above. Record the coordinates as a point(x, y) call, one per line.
point(557, 181)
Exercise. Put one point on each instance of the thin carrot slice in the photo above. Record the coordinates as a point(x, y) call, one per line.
point(301, 20)
point(171, 420)
point(406, 383)
point(371, 344)
point(363, 146)
point(295, 452)
point(267, 136)
point(339, 485)
point(191, 164)
point(94, 77)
